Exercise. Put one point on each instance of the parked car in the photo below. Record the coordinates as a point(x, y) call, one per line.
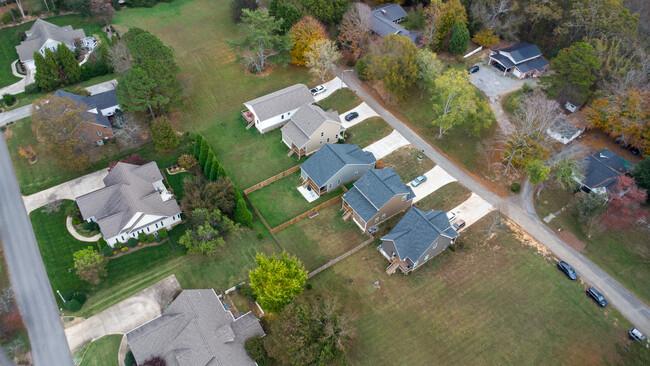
point(473, 69)
point(567, 269)
point(451, 215)
point(318, 90)
point(373, 230)
point(419, 180)
point(351, 116)
point(600, 299)
point(636, 335)
point(498, 66)
point(459, 224)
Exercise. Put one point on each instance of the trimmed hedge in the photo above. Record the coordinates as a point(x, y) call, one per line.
point(102, 243)
point(132, 242)
point(142, 237)
point(73, 305)
point(107, 251)
point(150, 238)
point(162, 234)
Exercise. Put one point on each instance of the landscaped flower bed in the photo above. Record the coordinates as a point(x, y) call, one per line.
point(175, 169)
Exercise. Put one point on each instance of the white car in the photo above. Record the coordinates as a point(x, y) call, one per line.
point(318, 90)
point(451, 216)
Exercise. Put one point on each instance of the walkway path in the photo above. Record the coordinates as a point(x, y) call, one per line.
point(387, 145)
point(125, 315)
point(436, 178)
point(76, 235)
point(19, 86)
point(339, 258)
point(27, 273)
point(630, 306)
point(364, 111)
point(102, 87)
point(68, 190)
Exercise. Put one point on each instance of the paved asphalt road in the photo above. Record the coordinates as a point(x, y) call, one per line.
point(28, 278)
point(15, 114)
point(518, 209)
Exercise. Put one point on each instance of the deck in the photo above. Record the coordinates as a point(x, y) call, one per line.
point(249, 118)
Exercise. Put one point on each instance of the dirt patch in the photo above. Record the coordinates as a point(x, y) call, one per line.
point(7, 133)
point(572, 240)
point(526, 239)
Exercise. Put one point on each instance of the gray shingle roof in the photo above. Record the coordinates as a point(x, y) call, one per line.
point(306, 121)
point(522, 51)
point(40, 32)
point(281, 101)
point(564, 128)
point(602, 169)
point(373, 190)
point(195, 330)
point(129, 190)
point(503, 60)
point(417, 231)
point(534, 64)
point(393, 12)
point(331, 158)
point(100, 101)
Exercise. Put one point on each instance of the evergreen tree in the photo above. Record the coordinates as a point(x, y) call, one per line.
point(135, 91)
point(47, 71)
point(69, 64)
point(459, 39)
point(242, 215)
point(164, 136)
point(208, 165)
point(222, 172)
point(214, 171)
point(203, 156)
point(197, 145)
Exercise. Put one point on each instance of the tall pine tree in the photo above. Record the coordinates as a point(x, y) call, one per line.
point(204, 153)
point(214, 171)
point(69, 64)
point(135, 92)
point(197, 145)
point(47, 71)
point(208, 165)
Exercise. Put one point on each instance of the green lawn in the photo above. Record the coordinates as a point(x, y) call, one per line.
point(103, 351)
point(445, 198)
point(280, 201)
point(365, 133)
point(216, 85)
point(341, 101)
point(176, 182)
point(46, 172)
point(622, 254)
point(472, 307)
point(318, 240)
point(406, 163)
point(9, 41)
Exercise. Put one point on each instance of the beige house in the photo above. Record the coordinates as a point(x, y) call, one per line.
point(375, 197)
point(310, 128)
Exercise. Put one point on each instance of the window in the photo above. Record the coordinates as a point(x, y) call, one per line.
point(404, 198)
point(99, 133)
point(426, 257)
point(434, 245)
point(122, 238)
point(156, 225)
point(337, 136)
point(383, 216)
point(339, 183)
point(376, 220)
point(329, 185)
point(328, 139)
point(321, 142)
point(282, 117)
point(322, 134)
point(148, 229)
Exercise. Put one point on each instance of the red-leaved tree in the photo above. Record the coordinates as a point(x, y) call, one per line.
point(14, 321)
point(135, 159)
point(625, 201)
point(155, 361)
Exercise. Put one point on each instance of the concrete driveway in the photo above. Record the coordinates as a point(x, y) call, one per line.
point(436, 178)
point(387, 145)
point(364, 111)
point(15, 114)
point(472, 210)
point(68, 190)
point(331, 86)
point(125, 315)
point(493, 83)
point(102, 87)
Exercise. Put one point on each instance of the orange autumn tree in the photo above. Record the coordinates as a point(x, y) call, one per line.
point(304, 33)
point(625, 115)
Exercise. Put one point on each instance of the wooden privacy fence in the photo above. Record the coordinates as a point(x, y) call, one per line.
point(271, 180)
point(257, 212)
point(305, 214)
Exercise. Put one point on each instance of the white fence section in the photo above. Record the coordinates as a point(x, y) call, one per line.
point(473, 52)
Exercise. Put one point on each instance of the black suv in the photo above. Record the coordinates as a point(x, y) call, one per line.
point(600, 299)
point(472, 69)
point(351, 116)
point(566, 268)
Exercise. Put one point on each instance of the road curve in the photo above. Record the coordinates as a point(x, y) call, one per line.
point(28, 278)
point(629, 305)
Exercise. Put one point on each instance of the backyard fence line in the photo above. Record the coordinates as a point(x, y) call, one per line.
point(339, 258)
point(274, 178)
point(263, 221)
point(473, 52)
point(305, 214)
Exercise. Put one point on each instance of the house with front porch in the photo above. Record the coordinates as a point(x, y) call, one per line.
point(273, 110)
point(417, 237)
point(334, 165)
point(310, 128)
point(45, 35)
point(375, 197)
point(134, 201)
point(523, 60)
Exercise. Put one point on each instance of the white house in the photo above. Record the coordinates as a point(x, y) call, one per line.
point(273, 110)
point(134, 201)
point(44, 35)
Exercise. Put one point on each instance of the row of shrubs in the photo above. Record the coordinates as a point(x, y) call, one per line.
point(74, 299)
point(213, 169)
point(108, 251)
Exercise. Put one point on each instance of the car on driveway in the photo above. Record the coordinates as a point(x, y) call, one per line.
point(318, 90)
point(567, 269)
point(451, 215)
point(597, 296)
point(419, 180)
point(459, 224)
point(373, 230)
point(473, 69)
point(351, 116)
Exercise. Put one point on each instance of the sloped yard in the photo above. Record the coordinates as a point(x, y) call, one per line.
point(365, 133)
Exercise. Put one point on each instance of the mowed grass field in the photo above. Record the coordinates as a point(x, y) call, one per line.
point(341, 101)
point(216, 85)
point(445, 198)
point(498, 303)
point(406, 163)
point(365, 133)
point(103, 351)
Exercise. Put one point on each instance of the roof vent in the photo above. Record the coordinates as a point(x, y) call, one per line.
point(383, 11)
point(602, 156)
